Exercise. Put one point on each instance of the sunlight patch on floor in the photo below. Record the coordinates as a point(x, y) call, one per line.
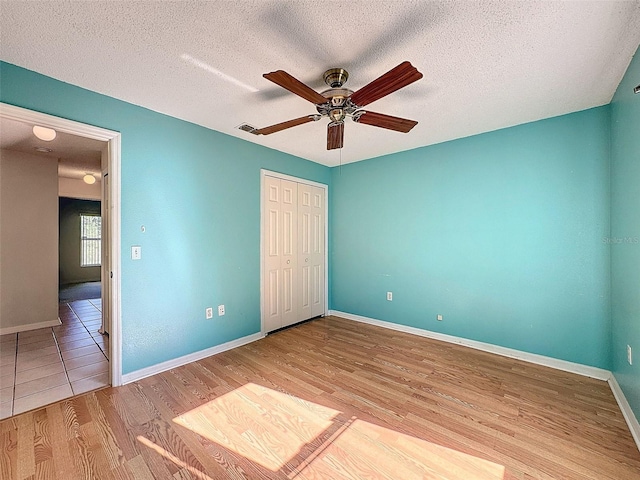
point(271, 429)
point(263, 425)
point(365, 450)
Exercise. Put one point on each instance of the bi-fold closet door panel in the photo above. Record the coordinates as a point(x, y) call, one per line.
point(280, 252)
point(311, 251)
point(293, 252)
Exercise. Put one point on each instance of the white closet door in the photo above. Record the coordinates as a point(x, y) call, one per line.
point(289, 249)
point(272, 314)
point(279, 255)
point(311, 249)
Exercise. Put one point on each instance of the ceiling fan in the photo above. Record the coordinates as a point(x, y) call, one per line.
point(337, 102)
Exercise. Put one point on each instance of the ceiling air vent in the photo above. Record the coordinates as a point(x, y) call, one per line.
point(247, 128)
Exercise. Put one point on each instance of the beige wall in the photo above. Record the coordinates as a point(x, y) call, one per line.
point(76, 188)
point(28, 241)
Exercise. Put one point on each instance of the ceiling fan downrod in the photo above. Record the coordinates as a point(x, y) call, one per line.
point(335, 77)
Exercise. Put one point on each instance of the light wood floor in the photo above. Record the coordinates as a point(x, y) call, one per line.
point(332, 399)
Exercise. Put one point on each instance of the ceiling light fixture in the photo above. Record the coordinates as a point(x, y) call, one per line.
point(89, 179)
point(44, 133)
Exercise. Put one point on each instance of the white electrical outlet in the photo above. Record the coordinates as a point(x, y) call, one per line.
point(629, 355)
point(209, 312)
point(390, 296)
point(439, 318)
point(220, 310)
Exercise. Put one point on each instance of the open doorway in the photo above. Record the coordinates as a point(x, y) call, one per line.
point(80, 248)
point(82, 338)
point(78, 335)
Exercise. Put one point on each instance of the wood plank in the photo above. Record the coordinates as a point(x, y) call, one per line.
point(139, 468)
point(63, 462)
point(43, 451)
point(9, 453)
point(105, 436)
point(26, 446)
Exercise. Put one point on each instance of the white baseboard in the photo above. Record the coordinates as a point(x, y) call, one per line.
point(564, 365)
point(628, 414)
point(192, 357)
point(30, 326)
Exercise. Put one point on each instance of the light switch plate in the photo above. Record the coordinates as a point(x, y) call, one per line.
point(136, 252)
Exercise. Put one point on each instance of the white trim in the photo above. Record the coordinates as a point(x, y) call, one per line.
point(262, 299)
point(30, 326)
point(564, 365)
point(115, 335)
point(326, 249)
point(64, 125)
point(283, 176)
point(628, 414)
point(192, 357)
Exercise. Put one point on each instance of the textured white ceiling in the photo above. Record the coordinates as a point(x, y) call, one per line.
point(486, 64)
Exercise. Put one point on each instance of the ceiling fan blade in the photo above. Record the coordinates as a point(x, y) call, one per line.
point(395, 79)
point(282, 78)
point(335, 135)
point(284, 125)
point(385, 121)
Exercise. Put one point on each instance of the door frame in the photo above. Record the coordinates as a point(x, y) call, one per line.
point(113, 140)
point(283, 176)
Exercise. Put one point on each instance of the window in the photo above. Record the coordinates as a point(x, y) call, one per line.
point(90, 240)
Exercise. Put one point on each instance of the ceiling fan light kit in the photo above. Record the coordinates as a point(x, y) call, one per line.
point(338, 103)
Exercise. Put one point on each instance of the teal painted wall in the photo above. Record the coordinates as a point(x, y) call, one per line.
point(503, 233)
point(197, 192)
point(625, 233)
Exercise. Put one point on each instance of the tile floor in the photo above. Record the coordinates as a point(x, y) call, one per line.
point(42, 366)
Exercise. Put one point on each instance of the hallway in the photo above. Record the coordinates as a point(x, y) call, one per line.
point(42, 366)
